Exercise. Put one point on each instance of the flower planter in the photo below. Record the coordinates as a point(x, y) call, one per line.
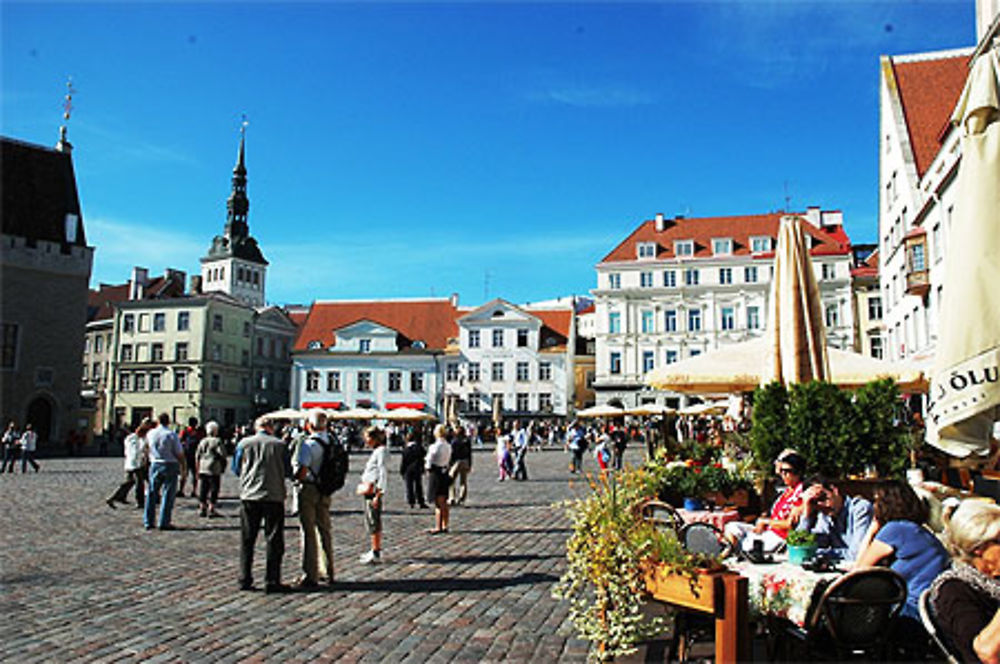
point(798, 554)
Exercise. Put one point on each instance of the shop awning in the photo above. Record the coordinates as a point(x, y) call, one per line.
point(328, 405)
point(413, 405)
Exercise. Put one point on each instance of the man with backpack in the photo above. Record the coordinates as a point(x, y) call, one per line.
point(317, 468)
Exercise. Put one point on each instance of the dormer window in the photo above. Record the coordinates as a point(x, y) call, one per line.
point(760, 244)
point(684, 247)
point(314, 345)
point(722, 246)
point(645, 249)
point(365, 345)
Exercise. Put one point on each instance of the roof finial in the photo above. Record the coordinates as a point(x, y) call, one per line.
point(64, 145)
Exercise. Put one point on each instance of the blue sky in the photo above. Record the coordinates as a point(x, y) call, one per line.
point(488, 149)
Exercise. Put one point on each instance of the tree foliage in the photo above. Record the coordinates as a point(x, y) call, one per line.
point(769, 428)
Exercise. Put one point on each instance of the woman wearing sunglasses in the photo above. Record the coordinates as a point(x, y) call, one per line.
point(768, 533)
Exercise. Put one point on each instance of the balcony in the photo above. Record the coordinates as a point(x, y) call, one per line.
point(917, 278)
point(918, 282)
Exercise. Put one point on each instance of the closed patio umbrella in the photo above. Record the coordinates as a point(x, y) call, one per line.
point(965, 392)
point(796, 347)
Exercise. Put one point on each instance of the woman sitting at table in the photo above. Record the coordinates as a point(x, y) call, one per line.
point(966, 598)
point(898, 538)
point(772, 530)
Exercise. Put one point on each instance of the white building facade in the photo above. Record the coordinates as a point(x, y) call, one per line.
point(680, 287)
point(512, 362)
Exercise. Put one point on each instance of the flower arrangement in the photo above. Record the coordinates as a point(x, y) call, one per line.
point(609, 555)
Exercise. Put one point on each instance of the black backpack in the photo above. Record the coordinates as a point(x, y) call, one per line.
point(333, 470)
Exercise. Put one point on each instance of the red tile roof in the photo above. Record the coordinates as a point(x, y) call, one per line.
point(831, 240)
point(430, 321)
point(928, 91)
point(101, 302)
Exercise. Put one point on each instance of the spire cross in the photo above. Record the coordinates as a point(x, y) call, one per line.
point(68, 103)
point(243, 124)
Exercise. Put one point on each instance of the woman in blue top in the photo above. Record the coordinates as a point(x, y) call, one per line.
point(898, 538)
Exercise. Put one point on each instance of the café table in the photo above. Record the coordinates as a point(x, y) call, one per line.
point(718, 518)
point(782, 589)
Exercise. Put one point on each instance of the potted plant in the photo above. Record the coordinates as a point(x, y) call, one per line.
point(801, 546)
point(614, 556)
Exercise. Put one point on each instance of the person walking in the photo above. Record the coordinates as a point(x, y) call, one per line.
point(313, 505)
point(438, 460)
point(577, 445)
point(11, 441)
point(372, 490)
point(190, 438)
point(461, 466)
point(28, 442)
point(136, 464)
point(166, 463)
point(520, 444)
point(504, 464)
point(211, 459)
point(411, 467)
point(260, 462)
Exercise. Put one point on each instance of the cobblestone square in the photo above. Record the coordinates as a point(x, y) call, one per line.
point(82, 582)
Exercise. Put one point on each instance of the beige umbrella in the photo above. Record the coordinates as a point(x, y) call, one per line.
point(601, 411)
point(966, 377)
point(650, 409)
point(407, 415)
point(707, 408)
point(796, 349)
point(738, 368)
point(356, 414)
point(285, 414)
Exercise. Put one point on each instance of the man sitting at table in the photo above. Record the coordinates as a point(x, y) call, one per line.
point(839, 522)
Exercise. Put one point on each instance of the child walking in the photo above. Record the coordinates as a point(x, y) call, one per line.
point(372, 490)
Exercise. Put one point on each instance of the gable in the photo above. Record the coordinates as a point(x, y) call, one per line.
point(364, 328)
point(498, 311)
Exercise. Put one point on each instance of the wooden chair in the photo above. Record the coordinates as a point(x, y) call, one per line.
point(929, 620)
point(854, 616)
point(705, 538)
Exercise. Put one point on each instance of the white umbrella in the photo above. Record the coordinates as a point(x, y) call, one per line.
point(738, 368)
point(601, 411)
point(966, 383)
point(285, 414)
point(407, 415)
point(650, 409)
point(707, 408)
point(356, 414)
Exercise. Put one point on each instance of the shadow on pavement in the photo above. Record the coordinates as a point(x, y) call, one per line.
point(512, 531)
point(443, 585)
point(471, 560)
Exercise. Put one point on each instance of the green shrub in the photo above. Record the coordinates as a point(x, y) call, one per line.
point(819, 426)
point(769, 428)
point(878, 435)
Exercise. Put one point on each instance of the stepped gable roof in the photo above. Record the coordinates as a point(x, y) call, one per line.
point(432, 321)
point(39, 190)
point(928, 91)
point(828, 241)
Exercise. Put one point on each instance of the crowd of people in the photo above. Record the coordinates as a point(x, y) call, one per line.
point(960, 567)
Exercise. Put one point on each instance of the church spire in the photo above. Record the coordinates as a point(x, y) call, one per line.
point(238, 205)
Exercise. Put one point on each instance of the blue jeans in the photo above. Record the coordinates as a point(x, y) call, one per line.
point(162, 478)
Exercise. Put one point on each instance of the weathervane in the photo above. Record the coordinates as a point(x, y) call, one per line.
point(64, 145)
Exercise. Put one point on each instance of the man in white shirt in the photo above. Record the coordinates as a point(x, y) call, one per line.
point(136, 460)
point(313, 506)
point(166, 464)
point(29, 441)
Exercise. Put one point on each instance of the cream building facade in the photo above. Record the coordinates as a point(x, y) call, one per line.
point(679, 287)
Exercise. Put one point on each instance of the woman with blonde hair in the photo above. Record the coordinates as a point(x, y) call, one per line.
point(437, 461)
point(966, 598)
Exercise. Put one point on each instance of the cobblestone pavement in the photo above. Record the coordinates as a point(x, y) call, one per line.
point(82, 582)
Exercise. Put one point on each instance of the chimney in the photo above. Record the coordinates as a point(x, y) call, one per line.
point(660, 223)
point(813, 215)
point(195, 284)
point(454, 300)
point(178, 276)
point(137, 286)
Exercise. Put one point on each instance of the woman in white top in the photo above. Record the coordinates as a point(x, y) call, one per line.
point(437, 461)
point(136, 462)
point(29, 440)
